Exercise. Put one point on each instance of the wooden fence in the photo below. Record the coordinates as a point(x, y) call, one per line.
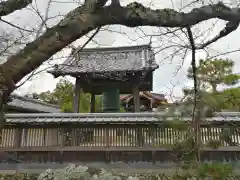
point(42, 141)
point(106, 136)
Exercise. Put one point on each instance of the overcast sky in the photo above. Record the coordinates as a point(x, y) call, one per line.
point(170, 78)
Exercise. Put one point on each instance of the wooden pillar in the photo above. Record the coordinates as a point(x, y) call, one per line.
point(18, 138)
point(76, 97)
point(73, 136)
point(61, 144)
point(1, 115)
point(92, 102)
point(107, 145)
point(136, 99)
point(153, 137)
point(136, 105)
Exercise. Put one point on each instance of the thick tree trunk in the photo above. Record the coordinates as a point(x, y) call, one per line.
point(92, 15)
point(7, 7)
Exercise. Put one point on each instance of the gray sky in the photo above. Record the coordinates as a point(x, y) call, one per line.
point(168, 79)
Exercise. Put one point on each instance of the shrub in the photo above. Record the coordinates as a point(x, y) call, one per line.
point(74, 172)
point(21, 176)
point(215, 170)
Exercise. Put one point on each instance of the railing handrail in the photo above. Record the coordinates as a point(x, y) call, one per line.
point(42, 115)
point(105, 118)
point(141, 114)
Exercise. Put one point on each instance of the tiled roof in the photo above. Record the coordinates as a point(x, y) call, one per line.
point(120, 59)
point(147, 94)
point(32, 104)
point(226, 114)
point(158, 96)
point(98, 118)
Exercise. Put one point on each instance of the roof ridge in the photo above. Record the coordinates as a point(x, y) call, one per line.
point(115, 47)
point(118, 59)
point(75, 52)
point(33, 100)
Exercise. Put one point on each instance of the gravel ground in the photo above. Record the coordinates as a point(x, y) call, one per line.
point(119, 170)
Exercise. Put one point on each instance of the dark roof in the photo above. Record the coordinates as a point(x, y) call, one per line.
point(149, 95)
point(98, 117)
point(32, 104)
point(227, 114)
point(114, 59)
point(158, 96)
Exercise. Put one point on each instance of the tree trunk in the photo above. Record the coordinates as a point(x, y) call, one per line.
point(91, 15)
point(7, 7)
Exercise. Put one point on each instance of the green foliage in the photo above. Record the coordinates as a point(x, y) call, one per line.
point(215, 171)
point(63, 95)
point(229, 99)
point(211, 74)
point(214, 144)
point(226, 134)
point(20, 176)
point(215, 72)
point(185, 150)
point(177, 125)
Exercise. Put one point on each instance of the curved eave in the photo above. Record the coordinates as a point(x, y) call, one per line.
point(58, 73)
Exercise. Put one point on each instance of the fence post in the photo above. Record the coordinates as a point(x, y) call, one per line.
point(2, 120)
point(61, 144)
point(153, 137)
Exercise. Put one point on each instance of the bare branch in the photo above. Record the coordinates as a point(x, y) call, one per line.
point(31, 75)
point(80, 21)
point(89, 39)
point(13, 25)
point(230, 27)
point(136, 14)
point(7, 7)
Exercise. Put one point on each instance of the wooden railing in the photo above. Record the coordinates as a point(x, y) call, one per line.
point(105, 130)
point(111, 137)
point(106, 136)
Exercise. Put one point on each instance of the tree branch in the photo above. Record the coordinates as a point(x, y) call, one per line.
point(230, 27)
point(196, 111)
point(80, 21)
point(136, 14)
point(7, 7)
point(194, 70)
point(93, 5)
point(13, 25)
point(115, 3)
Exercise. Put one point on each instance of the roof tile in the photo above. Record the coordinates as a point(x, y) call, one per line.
point(120, 59)
point(32, 104)
point(100, 118)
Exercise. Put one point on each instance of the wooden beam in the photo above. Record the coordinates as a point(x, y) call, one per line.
point(76, 98)
point(126, 89)
point(107, 82)
point(96, 85)
point(2, 119)
point(93, 102)
point(18, 138)
point(136, 99)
